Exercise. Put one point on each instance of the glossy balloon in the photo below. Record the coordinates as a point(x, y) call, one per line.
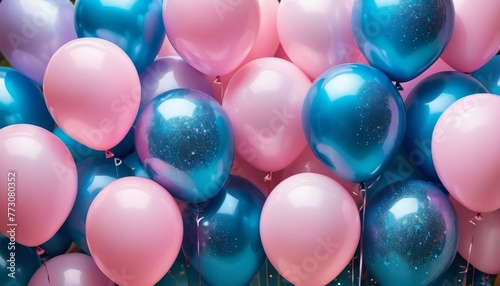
point(225, 230)
point(41, 176)
point(70, 269)
point(185, 142)
point(21, 101)
point(402, 38)
point(489, 75)
point(32, 31)
point(425, 104)
point(411, 234)
point(93, 175)
point(136, 26)
point(132, 161)
point(354, 121)
point(58, 244)
point(455, 275)
point(22, 266)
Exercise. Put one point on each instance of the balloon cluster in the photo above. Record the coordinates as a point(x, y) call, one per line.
point(263, 142)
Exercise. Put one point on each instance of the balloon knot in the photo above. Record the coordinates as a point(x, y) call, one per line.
point(479, 217)
point(40, 251)
point(268, 177)
point(399, 86)
point(109, 154)
point(217, 80)
point(118, 162)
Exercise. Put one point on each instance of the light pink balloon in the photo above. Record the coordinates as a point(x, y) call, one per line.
point(264, 102)
point(134, 231)
point(213, 36)
point(71, 269)
point(167, 50)
point(39, 183)
point(317, 34)
point(476, 34)
point(92, 91)
point(466, 151)
point(438, 66)
point(310, 229)
point(485, 253)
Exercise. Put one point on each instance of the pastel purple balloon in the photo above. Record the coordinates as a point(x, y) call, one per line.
point(31, 31)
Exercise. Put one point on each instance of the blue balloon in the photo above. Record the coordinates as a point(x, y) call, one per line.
point(354, 120)
point(489, 75)
point(24, 263)
point(454, 276)
point(93, 175)
point(132, 161)
point(402, 38)
point(226, 232)
point(21, 101)
point(58, 244)
point(136, 26)
point(81, 152)
point(185, 142)
point(424, 105)
point(410, 235)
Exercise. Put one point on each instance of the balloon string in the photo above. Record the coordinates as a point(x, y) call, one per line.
point(474, 222)
point(362, 188)
point(218, 82)
point(267, 272)
point(198, 219)
point(352, 270)
point(40, 251)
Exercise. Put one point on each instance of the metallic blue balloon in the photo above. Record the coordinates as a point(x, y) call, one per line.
point(226, 232)
point(410, 235)
point(136, 26)
point(354, 120)
point(402, 38)
point(489, 75)
point(21, 101)
point(93, 175)
point(454, 276)
point(424, 105)
point(185, 142)
point(25, 265)
point(132, 161)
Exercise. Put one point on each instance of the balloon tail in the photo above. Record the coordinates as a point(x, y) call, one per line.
point(218, 82)
point(198, 219)
point(398, 86)
point(362, 188)
point(40, 252)
point(474, 222)
point(109, 154)
point(268, 178)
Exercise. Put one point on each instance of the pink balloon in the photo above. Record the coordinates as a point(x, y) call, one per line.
point(476, 35)
point(485, 253)
point(39, 182)
point(134, 231)
point(167, 50)
point(92, 91)
point(310, 229)
point(466, 151)
point(317, 34)
point(213, 36)
point(264, 102)
point(70, 269)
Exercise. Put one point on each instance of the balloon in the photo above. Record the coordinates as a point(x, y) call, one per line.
point(473, 42)
point(178, 275)
point(132, 161)
point(21, 101)
point(221, 236)
point(40, 183)
point(136, 26)
point(411, 234)
point(455, 275)
point(426, 102)
point(402, 38)
point(213, 36)
point(489, 75)
point(81, 152)
point(59, 243)
point(465, 151)
point(18, 262)
point(169, 73)
point(93, 175)
point(354, 121)
point(185, 142)
point(134, 231)
point(271, 138)
point(317, 34)
point(485, 252)
point(32, 31)
point(92, 90)
point(309, 228)
point(70, 269)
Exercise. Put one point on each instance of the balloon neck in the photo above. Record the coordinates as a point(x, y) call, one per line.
point(109, 154)
point(398, 86)
point(218, 82)
point(478, 217)
point(199, 208)
point(39, 251)
point(268, 177)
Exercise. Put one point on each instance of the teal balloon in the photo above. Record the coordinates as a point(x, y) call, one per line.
point(402, 38)
point(354, 121)
point(454, 276)
point(21, 101)
point(489, 75)
point(16, 270)
point(93, 175)
point(136, 26)
point(410, 234)
point(225, 230)
point(424, 105)
point(132, 161)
